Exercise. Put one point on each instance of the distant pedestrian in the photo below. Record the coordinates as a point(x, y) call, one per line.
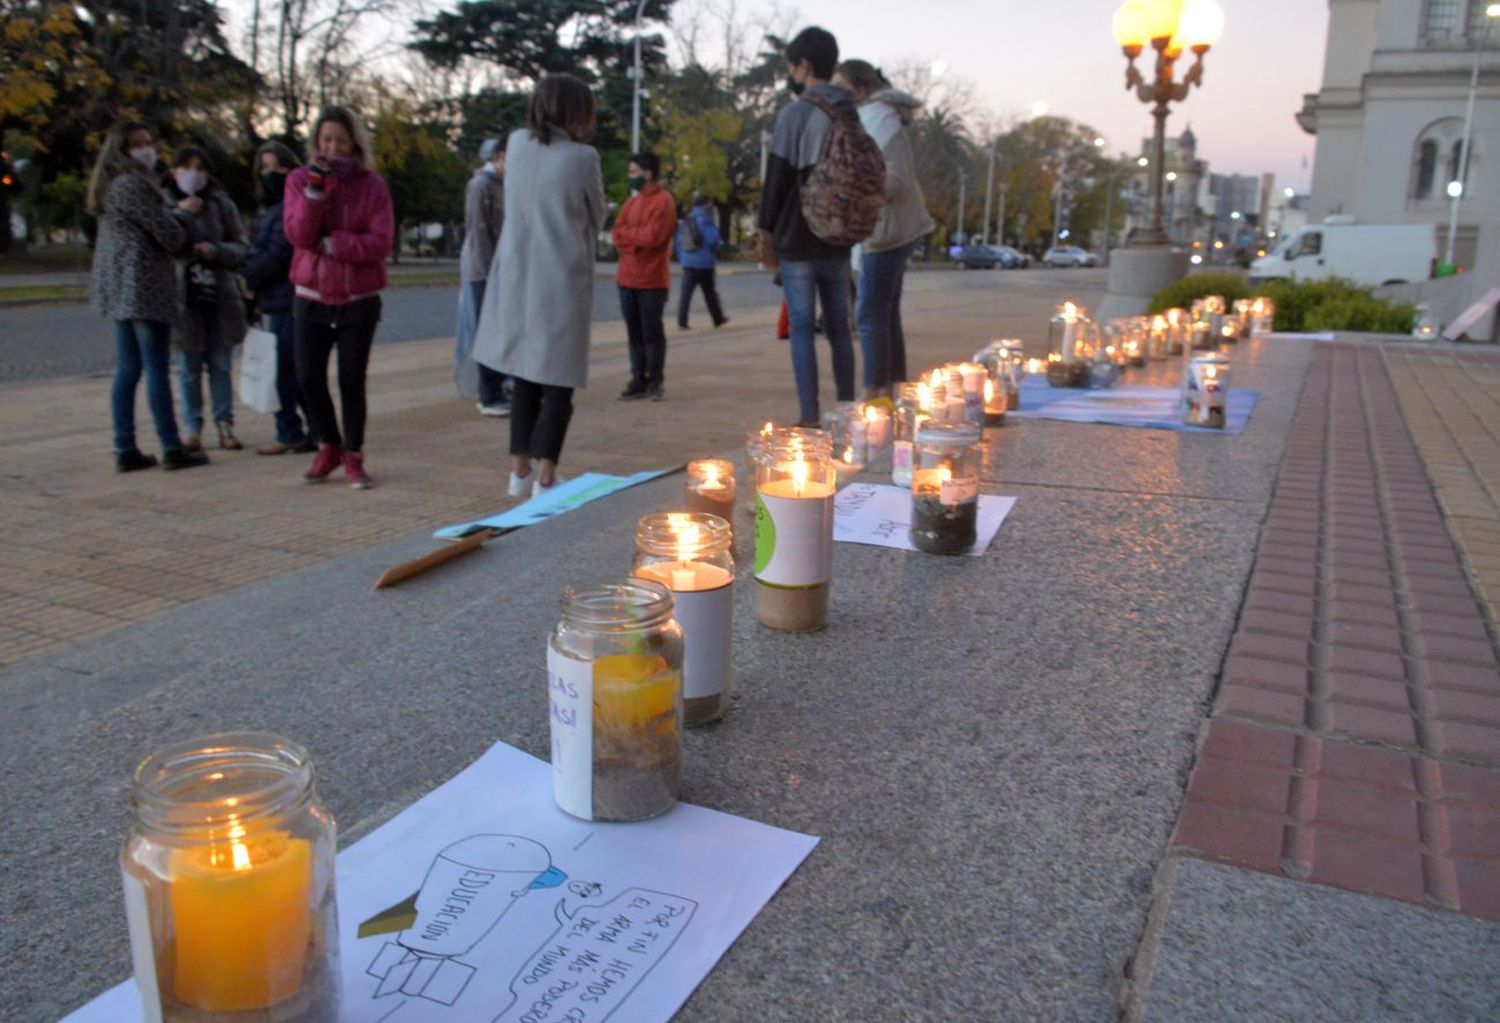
point(904, 222)
point(810, 267)
point(267, 275)
point(484, 216)
point(643, 235)
point(134, 284)
point(697, 252)
point(539, 303)
point(339, 221)
point(212, 321)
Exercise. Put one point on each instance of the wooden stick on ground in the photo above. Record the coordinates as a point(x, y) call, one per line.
point(415, 567)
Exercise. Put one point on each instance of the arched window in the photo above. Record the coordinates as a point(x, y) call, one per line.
point(1456, 169)
point(1426, 176)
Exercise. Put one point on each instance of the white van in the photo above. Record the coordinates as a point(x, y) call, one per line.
point(1369, 254)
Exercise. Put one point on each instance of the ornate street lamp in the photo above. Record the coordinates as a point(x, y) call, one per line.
point(1169, 27)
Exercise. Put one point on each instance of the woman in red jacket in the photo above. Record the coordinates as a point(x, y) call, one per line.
point(339, 221)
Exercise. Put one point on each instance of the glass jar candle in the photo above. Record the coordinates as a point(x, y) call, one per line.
point(1156, 338)
point(614, 671)
point(1068, 349)
point(995, 395)
point(877, 417)
point(1178, 326)
point(1262, 316)
point(969, 377)
point(1205, 392)
point(753, 440)
point(1242, 308)
point(945, 488)
point(794, 488)
point(1133, 344)
point(229, 883)
point(689, 554)
point(845, 424)
point(710, 488)
point(911, 412)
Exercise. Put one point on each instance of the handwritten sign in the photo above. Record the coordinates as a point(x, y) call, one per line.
point(880, 516)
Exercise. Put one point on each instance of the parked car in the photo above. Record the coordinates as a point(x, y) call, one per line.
point(1069, 255)
point(1017, 260)
point(988, 257)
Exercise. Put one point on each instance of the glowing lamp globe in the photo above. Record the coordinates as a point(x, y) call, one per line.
point(1161, 17)
point(1202, 25)
point(1132, 27)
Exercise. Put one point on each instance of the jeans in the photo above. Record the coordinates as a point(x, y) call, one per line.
point(642, 310)
point(878, 310)
point(693, 278)
point(806, 284)
point(473, 377)
point(319, 329)
point(539, 417)
point(143, 345)
point(289, 429)
point(190, 365)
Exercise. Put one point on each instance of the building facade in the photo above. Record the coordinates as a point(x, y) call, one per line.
point(1389, 121)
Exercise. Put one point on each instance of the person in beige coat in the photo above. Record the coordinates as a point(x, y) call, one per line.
point(539, 301)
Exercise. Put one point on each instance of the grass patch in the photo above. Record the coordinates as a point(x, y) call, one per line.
point(43, 293)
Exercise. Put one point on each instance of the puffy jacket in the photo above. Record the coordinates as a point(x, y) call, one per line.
point(270, 263)
point(354, 215)
point(701, 258)
point(643, 234)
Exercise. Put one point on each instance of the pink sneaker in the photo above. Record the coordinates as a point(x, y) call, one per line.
point(328, 459)
point(354, 470)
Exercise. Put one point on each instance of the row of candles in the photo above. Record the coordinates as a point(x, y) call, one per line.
point(228, 871)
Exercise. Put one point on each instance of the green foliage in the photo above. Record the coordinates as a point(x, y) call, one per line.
point(694, 128)
point(1307, 306)
point(425, 176)
point(1181, 294)
point(58, 205)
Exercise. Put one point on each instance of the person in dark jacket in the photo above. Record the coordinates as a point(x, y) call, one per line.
point(698, 261)
point(484, 217)
point(134, 284)
point(266, 275)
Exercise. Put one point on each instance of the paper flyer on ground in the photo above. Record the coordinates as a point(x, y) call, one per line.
point(1154, 408)
point(880, 515)
point(558, 500)
point(558, 919)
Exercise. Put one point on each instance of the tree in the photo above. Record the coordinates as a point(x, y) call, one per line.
point(424, 174)
point(695, 128)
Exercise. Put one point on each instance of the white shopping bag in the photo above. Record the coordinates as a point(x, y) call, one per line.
point(258, 371)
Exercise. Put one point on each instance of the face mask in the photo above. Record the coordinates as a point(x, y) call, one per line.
point(189, 180)
point(793, 86)
point(636, 182)
point(145, 156)
point(274, 183)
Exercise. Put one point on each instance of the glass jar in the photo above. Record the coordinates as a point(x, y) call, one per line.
point(911, 412)
point(995, 399)
point(229, 883)
point(794, 488)
point(1178, 329)
point(1068, 347)
point(710, 488)
point(689, 553)
point(845, 425)
point(1242, 310)
point(1205, 392)
point(1425, 326)
point(877, 419)
point(945, 488)
point(1262, 316)
point(753, 441)
point(614, 667)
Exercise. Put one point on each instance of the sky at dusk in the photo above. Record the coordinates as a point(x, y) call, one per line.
point(1062, 53)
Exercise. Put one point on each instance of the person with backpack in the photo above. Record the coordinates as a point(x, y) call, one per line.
point(824, 188)
point(697, 244)
point(484, 217)
point(904, 221)
point(643, 235)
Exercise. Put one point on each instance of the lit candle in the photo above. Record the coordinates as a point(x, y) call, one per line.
point(945, 489)
point(877, 428)
point(242, 918)
point(972, 376)
point(794, 538)
point(710, 488)
point(1206, 392)
point(1070, 331)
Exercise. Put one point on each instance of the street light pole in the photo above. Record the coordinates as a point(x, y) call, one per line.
point(1457, 188)
point(636, 79)
point(1000, 220)
point(989, 191)
point(1109, 203)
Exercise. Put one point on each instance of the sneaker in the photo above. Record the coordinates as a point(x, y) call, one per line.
point(354, 470)
point(655, 392)
point(521, 486)
point(632, 392)
point(329, 458)
point(182, 458)
point(133, 460)
point(494, 408)
point(537, 488)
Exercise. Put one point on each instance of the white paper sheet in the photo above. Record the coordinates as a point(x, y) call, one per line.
point(555, 919)
point(880, 515)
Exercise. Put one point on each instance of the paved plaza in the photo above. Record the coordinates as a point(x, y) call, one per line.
point(1212, 731)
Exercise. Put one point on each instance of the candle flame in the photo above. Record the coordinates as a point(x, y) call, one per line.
point(799, 475)
point(849, 455)
point(1034, 366)
point(870, 413)
point(944, 474)
point(1211, 372)
point(924, 396)
point(989, 390)
point(687, 539)
point(710, 474)
point(937, 379)
point(1069, 311)
point(678, 521)
point(767, 428)
point(1159, 322)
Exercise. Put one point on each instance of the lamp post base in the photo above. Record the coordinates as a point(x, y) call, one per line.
point(1136, 274)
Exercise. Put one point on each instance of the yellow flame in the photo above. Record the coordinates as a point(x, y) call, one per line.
point(870, 415)
point(799, 474)
point(849, 455)
point(687, 539)
point(1159, 322)
point(937, 379)
point(944, 474)
point(239, 854)
point(924, 397)
point(1211, 372)
point(768, 427)
point(1070, 311)
point(989, 390)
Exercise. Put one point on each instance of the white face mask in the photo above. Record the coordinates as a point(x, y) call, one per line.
point(190, 180)
point(145, 156)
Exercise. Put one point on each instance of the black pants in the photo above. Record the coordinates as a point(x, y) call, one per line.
point(539, 417)
point(642, 310)
point(317, 330)
point(693, 278)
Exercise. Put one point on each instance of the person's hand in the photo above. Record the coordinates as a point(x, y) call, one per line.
point(317, 172)
point(205, 250)
point(192, 204)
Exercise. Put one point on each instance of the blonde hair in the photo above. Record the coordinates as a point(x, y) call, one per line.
point(113, 161)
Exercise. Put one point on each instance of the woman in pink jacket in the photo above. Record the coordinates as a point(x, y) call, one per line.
point(339, 221)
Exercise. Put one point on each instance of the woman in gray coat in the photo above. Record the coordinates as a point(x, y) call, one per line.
point(539, 301)
point(212, 320)
point(134, 284)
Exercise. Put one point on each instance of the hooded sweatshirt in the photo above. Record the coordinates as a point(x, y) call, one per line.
point(904, 218)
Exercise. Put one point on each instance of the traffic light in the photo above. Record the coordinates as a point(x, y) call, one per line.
point(10, 181)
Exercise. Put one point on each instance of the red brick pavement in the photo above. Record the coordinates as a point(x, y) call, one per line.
point(1356, 736)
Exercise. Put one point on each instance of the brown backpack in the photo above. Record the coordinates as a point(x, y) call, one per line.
point(843, 195)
